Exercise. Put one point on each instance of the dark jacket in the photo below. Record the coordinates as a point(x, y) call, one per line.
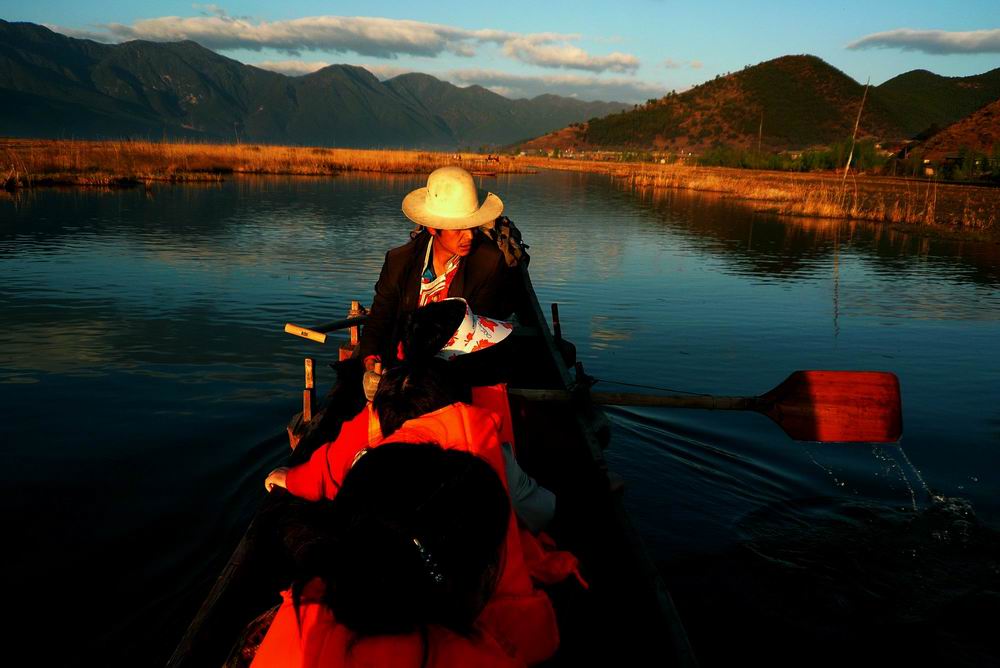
point(481, 280)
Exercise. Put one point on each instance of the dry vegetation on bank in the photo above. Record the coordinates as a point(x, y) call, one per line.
point(28, 163)
point(819, 195)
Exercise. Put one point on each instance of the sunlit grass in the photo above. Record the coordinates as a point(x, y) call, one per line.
point(821, 195)
point(110, 163)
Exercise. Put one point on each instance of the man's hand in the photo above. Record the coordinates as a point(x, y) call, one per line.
point(276, 478)
point(373, 374)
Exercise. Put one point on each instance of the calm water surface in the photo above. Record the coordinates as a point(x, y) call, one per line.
point(145, 381)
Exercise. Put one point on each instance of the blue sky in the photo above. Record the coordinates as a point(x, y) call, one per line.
point(629, 50)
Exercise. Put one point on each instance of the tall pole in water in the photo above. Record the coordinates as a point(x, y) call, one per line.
point(855, 135)
point(760, 134)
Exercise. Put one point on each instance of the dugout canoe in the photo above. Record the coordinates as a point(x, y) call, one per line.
point(625, 618)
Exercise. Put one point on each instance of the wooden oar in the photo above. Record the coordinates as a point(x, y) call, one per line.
point(318, 332)
point(826, 406)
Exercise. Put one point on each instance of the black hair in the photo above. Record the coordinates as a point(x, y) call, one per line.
point(418, 537)
point(429, 328)
point(422, 382)
point(411, 390)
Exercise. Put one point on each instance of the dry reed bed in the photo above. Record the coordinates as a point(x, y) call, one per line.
point(862, 197)
point(122, 163)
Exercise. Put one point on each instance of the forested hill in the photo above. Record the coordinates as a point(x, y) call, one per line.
point(792, 102)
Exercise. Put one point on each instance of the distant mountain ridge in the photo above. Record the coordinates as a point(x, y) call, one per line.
point(788, 103)
point(919, 100)
point(52, 85)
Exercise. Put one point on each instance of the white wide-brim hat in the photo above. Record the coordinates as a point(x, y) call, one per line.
point(450, 202)
point(475, 333)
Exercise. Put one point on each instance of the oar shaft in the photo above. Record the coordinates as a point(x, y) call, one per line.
point(636, 399)
point(340, 324)
point(674, 401)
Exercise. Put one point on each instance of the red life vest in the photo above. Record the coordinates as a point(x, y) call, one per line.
point(314, 639)
point(519, 616)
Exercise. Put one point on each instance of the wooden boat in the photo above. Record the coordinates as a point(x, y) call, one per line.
point(625, 618)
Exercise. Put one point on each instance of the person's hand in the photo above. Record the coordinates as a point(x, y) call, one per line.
point(276, 478)
point(371, 378)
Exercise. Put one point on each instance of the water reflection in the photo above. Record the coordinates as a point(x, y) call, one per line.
point(150, 322)
point(785, 245)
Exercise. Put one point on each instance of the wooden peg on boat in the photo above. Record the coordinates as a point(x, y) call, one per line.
point(309, 393)
point(556, 327)
point(347, 349)
point(354, 313)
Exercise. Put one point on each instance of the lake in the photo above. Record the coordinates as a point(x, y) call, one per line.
point(146, 381)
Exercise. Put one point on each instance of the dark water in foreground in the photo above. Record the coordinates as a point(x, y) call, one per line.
point(145, 380)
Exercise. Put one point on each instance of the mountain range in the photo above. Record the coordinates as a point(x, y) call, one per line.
point(792, 102)
point(52, 85)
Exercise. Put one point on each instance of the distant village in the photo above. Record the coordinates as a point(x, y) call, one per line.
point(900, 158)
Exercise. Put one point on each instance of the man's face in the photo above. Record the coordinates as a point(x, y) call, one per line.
point(456, 242)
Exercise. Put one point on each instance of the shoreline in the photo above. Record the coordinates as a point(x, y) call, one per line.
point(922, 207)
point(905, 204)
point(30, 163)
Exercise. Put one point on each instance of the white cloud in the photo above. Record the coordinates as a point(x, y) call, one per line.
point(384, 72)
point(581, 86)
point(81, 33)
point(938, 42)
point(369, 36)
point(363, 35)
point(505, 91)
point(536, 51)
point(672, 64)
point(293, 68)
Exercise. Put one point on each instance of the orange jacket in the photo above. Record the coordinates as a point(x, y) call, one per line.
point(519, 616)
point(314, 639)
point(321, 476)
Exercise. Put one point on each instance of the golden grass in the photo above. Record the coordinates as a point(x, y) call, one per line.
point(28, 163)
point(879, 199)
point(109, 163)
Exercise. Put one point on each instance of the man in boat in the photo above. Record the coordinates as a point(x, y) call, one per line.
point(447, 257)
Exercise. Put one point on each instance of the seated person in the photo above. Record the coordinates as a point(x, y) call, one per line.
point(447, 258)
point(425, 383)
point(521, 616)
point(416, 550)
point(416, 403)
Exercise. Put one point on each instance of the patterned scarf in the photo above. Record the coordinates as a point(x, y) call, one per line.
point(435, 288)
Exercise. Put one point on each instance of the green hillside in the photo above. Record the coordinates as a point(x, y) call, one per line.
point(802, 101)
point(920, 99)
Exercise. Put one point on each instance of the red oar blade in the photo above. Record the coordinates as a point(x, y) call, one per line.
point(838, 406)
